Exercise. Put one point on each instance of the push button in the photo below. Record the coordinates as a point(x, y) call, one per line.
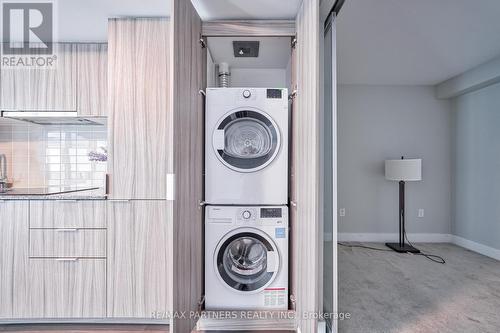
point(246, 214)
point(247, 93)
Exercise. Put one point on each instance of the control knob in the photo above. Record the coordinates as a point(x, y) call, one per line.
point(246, 214)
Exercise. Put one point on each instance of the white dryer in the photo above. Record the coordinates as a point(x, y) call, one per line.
point(246, 146)
point(246, 258)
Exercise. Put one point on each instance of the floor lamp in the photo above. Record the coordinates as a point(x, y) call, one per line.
point(403, 170)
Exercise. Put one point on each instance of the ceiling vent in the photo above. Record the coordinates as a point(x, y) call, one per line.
point(246, 49)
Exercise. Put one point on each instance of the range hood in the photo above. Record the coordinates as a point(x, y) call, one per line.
point(50, 117)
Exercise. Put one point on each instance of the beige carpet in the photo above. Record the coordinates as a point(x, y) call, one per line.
point(389, 292)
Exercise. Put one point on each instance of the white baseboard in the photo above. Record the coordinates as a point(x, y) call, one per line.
point(393, 237)
point(476, 247)
point(422, 238)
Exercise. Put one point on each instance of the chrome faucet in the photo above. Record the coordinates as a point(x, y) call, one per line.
point(3, 173)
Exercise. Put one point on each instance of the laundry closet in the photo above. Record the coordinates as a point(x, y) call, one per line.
point(249, 207)
point(246, 173)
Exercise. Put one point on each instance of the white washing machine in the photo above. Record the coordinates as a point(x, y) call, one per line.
point(246, 258)
point(246, 146)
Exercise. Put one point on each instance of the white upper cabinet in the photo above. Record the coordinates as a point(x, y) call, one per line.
point(92, 79)
point(43, 88)
point(78, 81)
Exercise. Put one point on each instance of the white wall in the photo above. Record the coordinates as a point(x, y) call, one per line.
point(476, 181)
point(384, 122)
point(258, 77)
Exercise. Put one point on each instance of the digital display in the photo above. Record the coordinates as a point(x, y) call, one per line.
point(274, 93)
point(270, 212)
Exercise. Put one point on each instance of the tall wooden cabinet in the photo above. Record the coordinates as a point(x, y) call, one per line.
point(140, 257)
point(139, 122)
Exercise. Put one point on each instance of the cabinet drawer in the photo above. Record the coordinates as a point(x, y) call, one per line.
point(67, 214)
point(64, 288)
point(68, 243)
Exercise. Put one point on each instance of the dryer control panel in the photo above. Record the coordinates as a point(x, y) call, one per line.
point(261, 215)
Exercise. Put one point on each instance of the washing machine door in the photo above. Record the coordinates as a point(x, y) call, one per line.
point(246, 140)
point(247, 260)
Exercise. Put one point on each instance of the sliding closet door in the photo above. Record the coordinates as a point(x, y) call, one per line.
point(189, 77)
point(305, 216)
point(329, 173)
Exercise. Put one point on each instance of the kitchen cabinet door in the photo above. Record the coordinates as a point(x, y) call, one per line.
point(64, 243)
point(14, 236)
point(140, 116)
point(139, 258)
point(14, 87)
point(92, 79)
point(67, 288)
point(43, 88)
point(68, 214)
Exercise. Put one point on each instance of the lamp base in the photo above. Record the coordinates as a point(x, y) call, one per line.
point(402, 249)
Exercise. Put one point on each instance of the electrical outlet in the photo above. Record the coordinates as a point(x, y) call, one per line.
point(342, 212)
point(421, 212)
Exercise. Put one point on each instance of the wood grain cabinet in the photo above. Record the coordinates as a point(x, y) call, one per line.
point(13, 258)
point(64, 243)
point(67, 259)
point(68, 214)
point(67, 288)
point(139, 268)
point(43, 88)
point(140, 119)
point(92, 79)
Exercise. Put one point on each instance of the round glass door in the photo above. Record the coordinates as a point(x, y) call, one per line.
point(246, 261)
point(246, 140)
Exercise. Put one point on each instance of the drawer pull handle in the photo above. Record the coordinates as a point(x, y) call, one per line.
point(67, 259)
point(67, 230)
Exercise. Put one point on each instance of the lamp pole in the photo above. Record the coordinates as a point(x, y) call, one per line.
point(402, 247)
point(401, 214)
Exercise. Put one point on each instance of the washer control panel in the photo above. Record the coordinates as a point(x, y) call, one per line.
point(262, 216)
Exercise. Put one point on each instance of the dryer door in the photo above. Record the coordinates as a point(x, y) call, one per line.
point(247, 260)
point(246, 140)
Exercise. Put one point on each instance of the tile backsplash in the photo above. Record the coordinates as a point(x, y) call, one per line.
point(53, 156)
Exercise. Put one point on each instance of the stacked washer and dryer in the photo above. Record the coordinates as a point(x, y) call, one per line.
point(246, 191)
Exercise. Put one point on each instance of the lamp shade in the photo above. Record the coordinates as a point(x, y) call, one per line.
point(406, 170)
